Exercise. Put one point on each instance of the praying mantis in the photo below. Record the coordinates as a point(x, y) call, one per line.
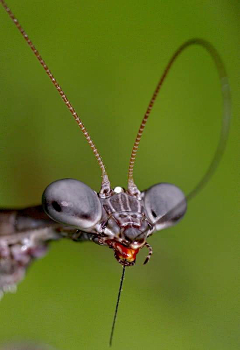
point(118, 218)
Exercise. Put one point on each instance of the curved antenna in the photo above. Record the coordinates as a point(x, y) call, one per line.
point(132, 188)
point(105, 181)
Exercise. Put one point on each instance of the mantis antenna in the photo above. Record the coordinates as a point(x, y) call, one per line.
point(105, 181)
point(132, 188)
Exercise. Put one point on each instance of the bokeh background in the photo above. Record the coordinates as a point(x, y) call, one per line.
point(108, 57)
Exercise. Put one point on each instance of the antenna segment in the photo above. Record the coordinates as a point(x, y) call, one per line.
point(116, 309)
point(225, 119)
point(105, 180)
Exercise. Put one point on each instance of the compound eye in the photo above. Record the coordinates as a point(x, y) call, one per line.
point(165, 204)
point(71, 202)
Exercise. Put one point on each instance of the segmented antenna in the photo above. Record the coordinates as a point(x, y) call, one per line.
point(105, 180)
point(225, 119)
point(116, 309)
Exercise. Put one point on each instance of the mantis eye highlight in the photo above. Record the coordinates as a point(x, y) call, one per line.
point(165, 204)
point(71, 202)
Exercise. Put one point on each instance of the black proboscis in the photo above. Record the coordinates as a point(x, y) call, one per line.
point(117, 304)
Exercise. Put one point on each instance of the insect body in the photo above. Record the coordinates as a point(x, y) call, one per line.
point(120, 219)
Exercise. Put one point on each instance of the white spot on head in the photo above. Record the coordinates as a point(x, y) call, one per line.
point(118, 189)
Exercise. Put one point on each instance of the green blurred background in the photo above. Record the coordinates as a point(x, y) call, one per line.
point(108, 57)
